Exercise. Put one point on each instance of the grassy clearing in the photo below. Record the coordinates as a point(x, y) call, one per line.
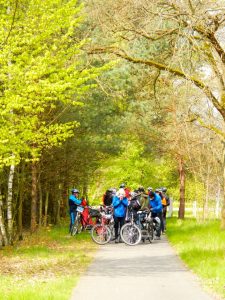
point(45, 265)
point(202, 247)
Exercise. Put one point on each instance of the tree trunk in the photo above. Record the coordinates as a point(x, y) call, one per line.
point(20, 216)
point(57, 217)
point(2, 225)
point(206, 199)
point(20, 208)
point(182, 189)
point(40, 204)
point(1, 240)
point(33, 226)
point(46, 208)
point(9, 204)
point(85, 190)
point(64, 195)
point(223, 203)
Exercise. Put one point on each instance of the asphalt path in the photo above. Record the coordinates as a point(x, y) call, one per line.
point(136, 272)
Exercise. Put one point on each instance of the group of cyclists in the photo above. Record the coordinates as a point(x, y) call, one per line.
point(122, 200)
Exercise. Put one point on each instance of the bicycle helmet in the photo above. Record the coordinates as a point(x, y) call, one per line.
point(164, 189)
point(114, 191)
point(151, 194)
point(150, 189)
point(120, 193)
point(73, 191)
point(122, 186)
point(133, 195)
point(141, 189)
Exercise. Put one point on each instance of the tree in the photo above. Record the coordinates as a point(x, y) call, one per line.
point(171, 32)
point(41, 70)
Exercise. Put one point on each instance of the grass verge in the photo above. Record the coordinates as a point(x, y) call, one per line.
point(45, 266)
point(202, 247)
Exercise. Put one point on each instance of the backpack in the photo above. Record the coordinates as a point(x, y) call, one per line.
point(164, 201)
point(107, 198)
point(94, 213)
point(167, 201)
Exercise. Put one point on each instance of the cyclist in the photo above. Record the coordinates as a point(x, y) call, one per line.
point(126, 190)
point(158, 191)
point(165, 203)
point(149, 189)
point(156, 208)
point(73, 203)
point(143, 199)
point(107, 197)
point(120, 204)
point(86, 220)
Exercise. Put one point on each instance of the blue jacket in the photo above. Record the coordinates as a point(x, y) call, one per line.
point(120, 206)
point(73, 202)
point(156, 203)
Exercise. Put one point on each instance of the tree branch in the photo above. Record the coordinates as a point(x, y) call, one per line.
point(151, 63)
point(12, 24)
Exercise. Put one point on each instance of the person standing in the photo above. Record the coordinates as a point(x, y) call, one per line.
point(73, 203)
point(159, 192)
point(156, 208)
point(165, 203)
point(120, 203)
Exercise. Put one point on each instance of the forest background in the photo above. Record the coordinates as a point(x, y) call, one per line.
point(97, 93)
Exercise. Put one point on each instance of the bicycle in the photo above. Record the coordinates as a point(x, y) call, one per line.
point(130, 233)
point(101, 233)
point(77, 226)
point(136, 230)
point(87, 219)
point(147, 226)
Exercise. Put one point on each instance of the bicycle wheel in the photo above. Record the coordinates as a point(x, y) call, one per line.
point(100, 234)
point(77, 226)
point(130, 234)
point(150, 230)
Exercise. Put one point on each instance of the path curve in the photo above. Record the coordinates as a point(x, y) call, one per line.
point(136, 272)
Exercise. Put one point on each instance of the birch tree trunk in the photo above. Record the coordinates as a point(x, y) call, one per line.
point(2, 225)
point(9, 204)
point(182, 189)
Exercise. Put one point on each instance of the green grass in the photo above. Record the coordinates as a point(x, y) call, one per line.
point(202, 247)
point(44, 266)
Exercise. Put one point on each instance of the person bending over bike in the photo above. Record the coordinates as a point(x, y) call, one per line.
point(156, 208)
point(73, 203)
point(120, 203)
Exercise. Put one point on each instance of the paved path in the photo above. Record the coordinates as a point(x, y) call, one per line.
point(146, 271)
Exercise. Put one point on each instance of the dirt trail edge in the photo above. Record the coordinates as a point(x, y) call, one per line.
point(136, 272)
